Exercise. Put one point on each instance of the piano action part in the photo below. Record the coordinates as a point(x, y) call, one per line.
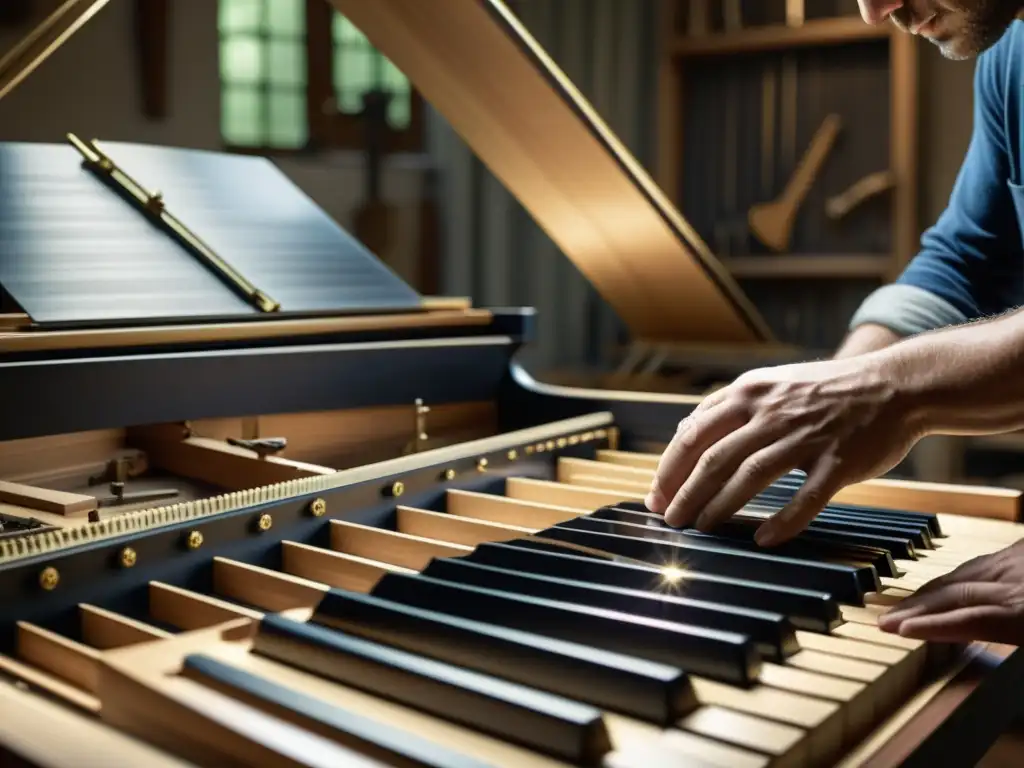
point(389, 545)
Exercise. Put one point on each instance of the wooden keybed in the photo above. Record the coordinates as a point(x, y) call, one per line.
point(849, 696)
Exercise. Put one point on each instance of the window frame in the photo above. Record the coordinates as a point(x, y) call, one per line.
point(327, 129)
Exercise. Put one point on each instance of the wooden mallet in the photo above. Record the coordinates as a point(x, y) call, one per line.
point(772, 223)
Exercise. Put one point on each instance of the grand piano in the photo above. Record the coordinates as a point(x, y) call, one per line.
point(262, 504)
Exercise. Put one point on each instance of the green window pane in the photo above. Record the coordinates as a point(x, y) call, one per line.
point(241, 59)
point(398, 111)
point(347, 33)
point(242, 116)
point(353, 69)
point(394, 80)
point(288, 126)
point(350, 100)
point(286, 18)
point(287, 62)
point(240, 16)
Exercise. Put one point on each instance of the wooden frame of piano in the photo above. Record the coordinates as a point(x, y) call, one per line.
point(554, 165)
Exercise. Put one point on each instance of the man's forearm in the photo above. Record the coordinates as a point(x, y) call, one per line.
point(866, 338)
point(968, 379)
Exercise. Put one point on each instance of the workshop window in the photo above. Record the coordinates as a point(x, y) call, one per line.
point(293, 74)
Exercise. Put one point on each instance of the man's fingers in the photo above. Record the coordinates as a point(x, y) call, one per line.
point(689, 444)
point(714, 468)
point(995, 623)
point(978, 568)
point(951, 597)
point(757, 470)
point(821, 484)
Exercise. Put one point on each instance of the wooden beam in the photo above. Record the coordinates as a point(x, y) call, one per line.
point(152, 30)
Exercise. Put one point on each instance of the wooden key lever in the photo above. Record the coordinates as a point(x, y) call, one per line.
point(262, 447)
point(873, 184)
point(772, 223)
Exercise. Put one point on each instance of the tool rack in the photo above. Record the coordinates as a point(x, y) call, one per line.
point(730, 67)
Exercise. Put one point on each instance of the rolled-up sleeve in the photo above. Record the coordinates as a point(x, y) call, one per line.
point(970, 264)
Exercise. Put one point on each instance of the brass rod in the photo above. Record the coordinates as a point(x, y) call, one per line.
point(33, 49)
point(153, 204)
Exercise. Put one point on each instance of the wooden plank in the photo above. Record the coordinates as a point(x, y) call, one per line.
point(46, 500)
point(104, 338)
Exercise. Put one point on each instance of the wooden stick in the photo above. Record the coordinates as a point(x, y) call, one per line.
point(868, 186)
point(772, 223)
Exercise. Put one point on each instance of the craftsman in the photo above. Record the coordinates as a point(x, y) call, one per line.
point(940, 351)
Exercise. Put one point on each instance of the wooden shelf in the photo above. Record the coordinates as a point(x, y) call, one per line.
point(809, 266)
point(835, 31)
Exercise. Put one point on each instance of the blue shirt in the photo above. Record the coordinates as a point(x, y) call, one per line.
point(971, 262)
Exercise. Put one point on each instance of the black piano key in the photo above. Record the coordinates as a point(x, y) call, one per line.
point(867, 562)
point(772, 632)
point(927, 518)
point(815, 545)
point(378, 740)
point(914, 536)
point(813, 542)
point(638, 687)
point(774, 499)
point(816, 552)
point(806, 609)
point(920, 528)
point(779, 497)
point(538, 720)
point(841, 581)
point(725, 656)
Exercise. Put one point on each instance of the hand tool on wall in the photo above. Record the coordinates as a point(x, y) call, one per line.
point(772, 223)
point(868, 186)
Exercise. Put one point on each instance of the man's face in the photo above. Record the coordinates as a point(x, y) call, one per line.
point(960, 28)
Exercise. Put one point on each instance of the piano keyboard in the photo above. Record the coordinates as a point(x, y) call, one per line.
point(555, 623)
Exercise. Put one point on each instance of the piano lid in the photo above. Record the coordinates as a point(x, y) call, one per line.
point(480, 68)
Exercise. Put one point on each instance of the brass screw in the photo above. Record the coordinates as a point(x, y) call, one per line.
point(562, 442)
point(128, 557)
point(550, 445)
point(397, 488)
point(195, 540)
point(265, 522)
point(574, 440)
point(540, 447)
point(513, 455)
point(317, 507)
point(49, 578)
point(481, 465)
point(448, 474)
point(529, 450)
point(602, 434)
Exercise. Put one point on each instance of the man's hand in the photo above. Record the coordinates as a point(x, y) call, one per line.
point(983, 600)
point(841, 421)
